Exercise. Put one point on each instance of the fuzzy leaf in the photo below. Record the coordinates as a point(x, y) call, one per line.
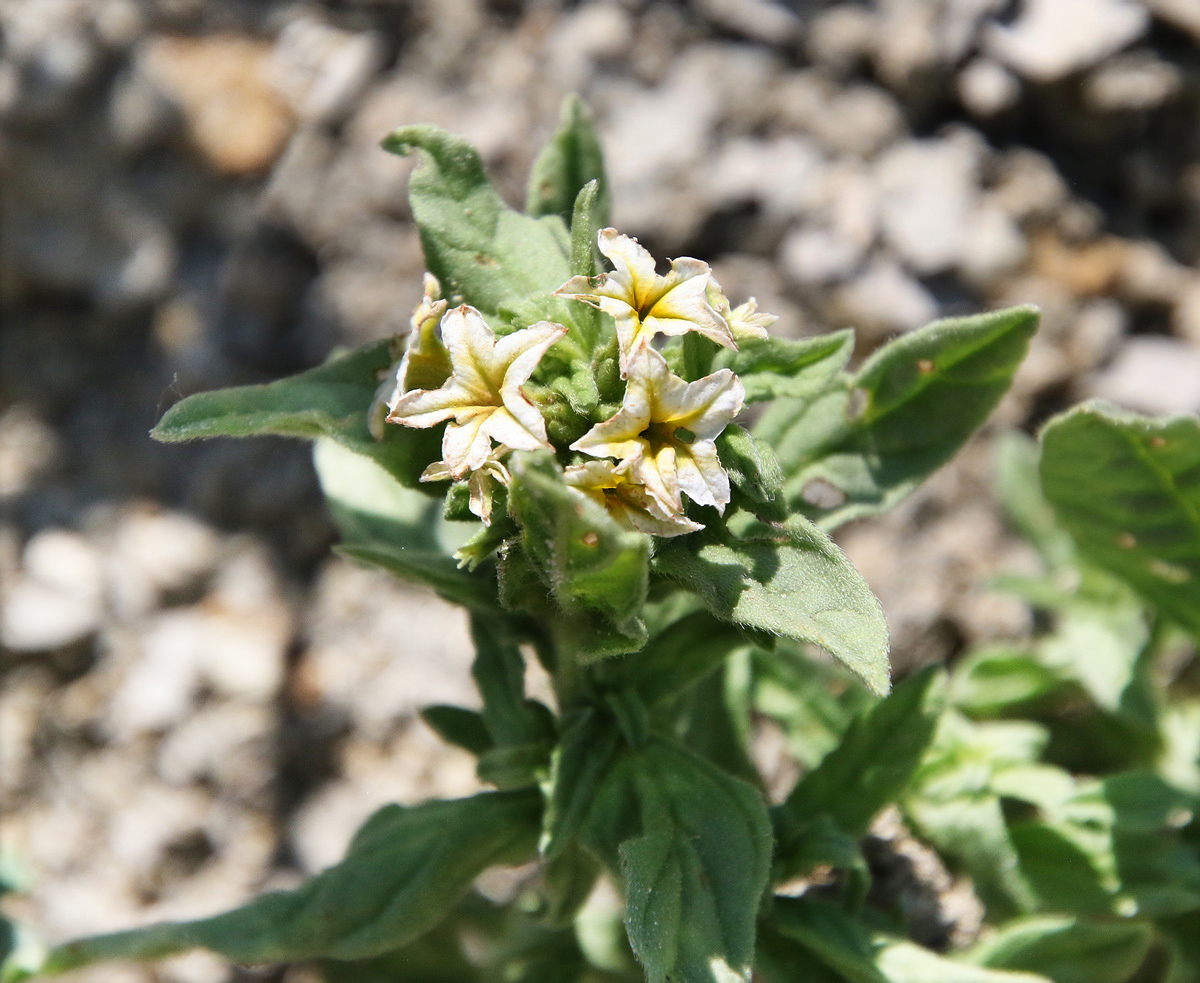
point(754, 472)
point(792, 581)
point(483, 253)
point(329, 401)
point(428, 568)
point(873, 437)
point(1068, 950)
point(695, 874)
point(586, 558)
point(1127, 489)
point(787, 368)
point(872, 765)
point(403, 872)
point(571, 159)
point(459, 726)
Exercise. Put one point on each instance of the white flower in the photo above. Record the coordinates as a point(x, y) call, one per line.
point(644, 435)
point(744, 320)
point(481, 484)
point(626, 501)
point(482, 397)
point(644, 304)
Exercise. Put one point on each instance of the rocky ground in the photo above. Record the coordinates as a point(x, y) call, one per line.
point(195, 701)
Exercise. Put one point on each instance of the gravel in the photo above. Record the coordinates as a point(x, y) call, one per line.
point(195, 701)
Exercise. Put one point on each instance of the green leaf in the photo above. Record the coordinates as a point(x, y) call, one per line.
point(870, 768)
point(907, 962)
point(483, 253)
point(952, 803)
point(993, 680)
point(476, 591)
point(829, 934)
point(499, 674)
point(787, 368)
point(695, 874)
point(458, 726)
point(571, 160)
point(587, 559)
point(813, 701)
point(329, 401)
point(582, 762)
point(369, 505)
point(1127, 489)
point(678, 657)
point(790, 580)
point(871, 439)
point(403, 872)
point(1019, 489)
point(1114, 846)
point(1068, 950)
point(754, 473)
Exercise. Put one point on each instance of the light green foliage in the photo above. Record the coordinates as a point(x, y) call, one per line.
point(677, 620)
point(865, 443)
point(1069, 950)
point(1127, 488)
point(791, 581)
point(404, 870)
point(569, 162)
point(328, 401)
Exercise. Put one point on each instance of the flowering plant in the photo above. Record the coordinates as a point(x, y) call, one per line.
point(631, 479)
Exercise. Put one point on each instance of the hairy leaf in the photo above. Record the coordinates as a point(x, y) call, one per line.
point(872, 765)
point(1068, 949)
point(587, 559)
point(484, 253)
point(427, 568)
point(404, 870)
point(792, 581)
point(1127, 488)
point(871, 439)
point(571, 160)
point(696, 872)
point(787, 368)
point(329, 401)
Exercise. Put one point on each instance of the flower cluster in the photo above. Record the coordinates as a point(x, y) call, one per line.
point(641, 461)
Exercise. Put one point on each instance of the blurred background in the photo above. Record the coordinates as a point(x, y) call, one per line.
point(196, 702)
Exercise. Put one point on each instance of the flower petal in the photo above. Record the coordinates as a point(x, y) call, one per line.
point(700, 475)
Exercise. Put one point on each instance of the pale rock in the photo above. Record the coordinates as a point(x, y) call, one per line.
point(841, 36)
point(927, 197)
point(1099, 329)
point(819, 255)
point(159, 688)
point(856, 119)
point(785, 174)
point(414, 766)
point(885, 299)
point(379, 651)
point(23, 697)
point(29, 448)
point(993, 245)
point(986, 87)
point(1028, 186)
point(228, 743)
point(1151, 374)
point(58, 599)
point(321, 69)
point(1185, 315)
point(154, 553)
point(1149, 274)
point(581, 37)
point(222, 86)
point(1136, 82)
point(1053, 38)
point(761, 20)
point(149, 819)
point(1184, 14)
